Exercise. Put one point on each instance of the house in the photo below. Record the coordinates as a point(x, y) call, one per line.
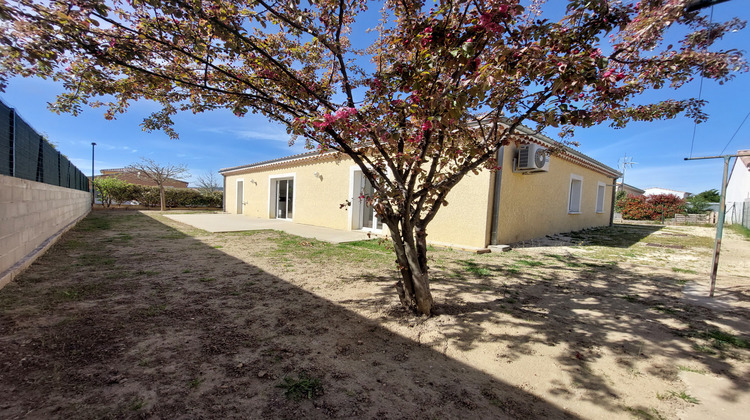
point(738, 190)
point(566, 191)
point(657, 191)
point(138, 178)
point(629, 189)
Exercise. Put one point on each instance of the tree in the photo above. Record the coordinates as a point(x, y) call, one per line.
point(445, 88)
point(158, 173)
point(109, 189)
point(208, 183)
point(709, 196)
point(700, 203)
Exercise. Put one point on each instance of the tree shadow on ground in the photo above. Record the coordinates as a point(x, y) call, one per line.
point(583, 311)
point(126, 317)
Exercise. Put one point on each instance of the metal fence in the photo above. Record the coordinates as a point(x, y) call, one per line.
point(26, 154)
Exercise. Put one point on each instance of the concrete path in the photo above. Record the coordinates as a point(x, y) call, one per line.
point(237, 223)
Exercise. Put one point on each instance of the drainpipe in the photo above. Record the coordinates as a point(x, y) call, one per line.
point(496, 198)
point(612, 205)
point(224, 195)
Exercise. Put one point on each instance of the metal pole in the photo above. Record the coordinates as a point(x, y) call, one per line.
point(722, 210)
point(719, 226)
point(93, 189)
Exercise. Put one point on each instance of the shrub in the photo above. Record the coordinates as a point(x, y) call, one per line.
point(652, 207)
point(110, 188)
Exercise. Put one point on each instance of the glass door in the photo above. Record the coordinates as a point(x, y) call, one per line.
point(369, 217)
point(284, 198)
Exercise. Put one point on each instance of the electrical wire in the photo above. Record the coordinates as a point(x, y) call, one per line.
point(695, 124)
point(735, 133)
point(700, 91)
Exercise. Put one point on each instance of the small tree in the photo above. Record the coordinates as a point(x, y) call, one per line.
point(208, 183)
point(160, 174)
point(109, 189)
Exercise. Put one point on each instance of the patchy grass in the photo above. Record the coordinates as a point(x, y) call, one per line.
point(475, 269)
point(685, 397)
point(529, 263)
point(684, 270)
point(720, 338)
point(740, 230)
point(95, 221)
point(372, 252)
point(692, 370)
point(303, 386)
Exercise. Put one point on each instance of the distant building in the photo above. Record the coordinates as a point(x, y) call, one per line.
point(657, 191)
point(738, 190)
point(629, 189)
point(138, 178)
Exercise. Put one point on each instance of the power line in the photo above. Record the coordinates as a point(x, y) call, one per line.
point(735, 133)
point(695, 123)
point(700, 5)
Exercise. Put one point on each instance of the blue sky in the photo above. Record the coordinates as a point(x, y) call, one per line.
point(211, 141)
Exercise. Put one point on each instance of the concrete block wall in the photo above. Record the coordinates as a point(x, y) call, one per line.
point(32, 216)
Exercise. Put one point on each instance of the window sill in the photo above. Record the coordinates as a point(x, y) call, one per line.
point(574, 212)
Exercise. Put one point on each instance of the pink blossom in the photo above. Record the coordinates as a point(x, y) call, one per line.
point(427, 125)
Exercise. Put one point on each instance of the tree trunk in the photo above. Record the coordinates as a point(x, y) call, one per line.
point(163, 198)
point(411, 256)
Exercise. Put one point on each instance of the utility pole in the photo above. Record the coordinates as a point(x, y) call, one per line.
point(720, 222)
point(626, 162)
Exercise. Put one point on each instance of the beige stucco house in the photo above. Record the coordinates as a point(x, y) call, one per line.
point(563, 192)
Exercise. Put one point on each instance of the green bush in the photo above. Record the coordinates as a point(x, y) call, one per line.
point(115, 190)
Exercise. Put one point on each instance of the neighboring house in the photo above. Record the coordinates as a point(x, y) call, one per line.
point(738, 190)
point(657, 191)
point(138, 178)
point(629, 189)
point(570, 192)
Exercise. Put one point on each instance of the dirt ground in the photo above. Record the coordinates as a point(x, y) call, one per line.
point(132, 315)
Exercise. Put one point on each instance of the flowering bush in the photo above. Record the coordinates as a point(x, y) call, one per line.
point(653, 207)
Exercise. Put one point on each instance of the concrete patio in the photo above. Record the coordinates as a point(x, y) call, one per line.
point(238, 223)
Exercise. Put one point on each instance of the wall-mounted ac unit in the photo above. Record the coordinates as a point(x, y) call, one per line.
point(532, 158)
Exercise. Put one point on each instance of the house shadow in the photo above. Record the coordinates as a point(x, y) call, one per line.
point(127, 317)
point(619, 235)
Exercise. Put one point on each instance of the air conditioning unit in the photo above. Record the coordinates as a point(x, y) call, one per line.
point(532, 158)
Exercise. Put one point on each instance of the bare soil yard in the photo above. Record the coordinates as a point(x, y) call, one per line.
point(132, 315)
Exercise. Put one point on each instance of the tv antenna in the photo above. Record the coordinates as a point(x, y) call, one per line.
point(625, 163)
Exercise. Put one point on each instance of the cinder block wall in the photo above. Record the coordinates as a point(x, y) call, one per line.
point(32, 214)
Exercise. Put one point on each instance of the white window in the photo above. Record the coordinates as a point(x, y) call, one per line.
point(574, 198)
point(600, 192)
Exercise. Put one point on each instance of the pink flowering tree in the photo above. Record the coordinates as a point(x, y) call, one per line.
point(447, 83)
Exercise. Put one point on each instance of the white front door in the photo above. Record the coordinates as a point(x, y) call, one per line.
point(240, 193)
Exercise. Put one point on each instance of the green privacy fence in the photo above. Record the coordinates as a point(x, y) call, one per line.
point(26, 154)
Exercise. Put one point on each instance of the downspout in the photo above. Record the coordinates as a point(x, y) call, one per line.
point(496, 198)
point(224, 195)
point(612, 205)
